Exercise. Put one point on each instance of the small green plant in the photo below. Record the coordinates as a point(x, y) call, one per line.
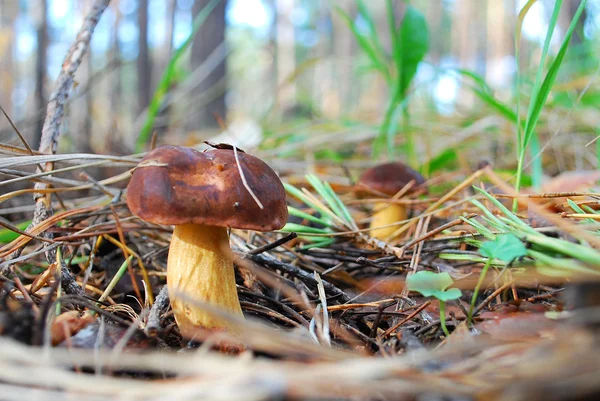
point(527, 137)
point(410, 42)
point(435, 285)
point(505, 247)
point(551, 256)
point(506, 235)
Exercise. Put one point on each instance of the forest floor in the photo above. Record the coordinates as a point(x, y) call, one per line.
point(329, 314)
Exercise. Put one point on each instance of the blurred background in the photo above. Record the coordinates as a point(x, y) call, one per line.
point(291, 77)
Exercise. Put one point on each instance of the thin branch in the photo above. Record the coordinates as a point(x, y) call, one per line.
point(51, 129)
point(56, 105)
point(243, 177)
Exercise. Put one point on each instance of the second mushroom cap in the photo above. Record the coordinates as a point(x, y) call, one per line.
point(389, 178)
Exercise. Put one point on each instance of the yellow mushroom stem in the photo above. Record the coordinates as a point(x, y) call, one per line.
point(386, 213)
point(200, 266)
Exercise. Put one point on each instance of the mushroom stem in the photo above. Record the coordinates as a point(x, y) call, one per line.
point(386, 213)
point(200, 266)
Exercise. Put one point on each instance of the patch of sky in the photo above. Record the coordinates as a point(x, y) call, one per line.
point(535, 23)
point(157, 12)
point(592, 23)
point(58, 10)
point(127, 6)
point(26, 38)
point(299, 16)
point(128, 37)
point(445, 89)
point(307, 37)
point(23, 87)
point(182, 28)
point(361, 25)
point(250, 13)
point(102, 34)
point(56, 55)
point(185, 5)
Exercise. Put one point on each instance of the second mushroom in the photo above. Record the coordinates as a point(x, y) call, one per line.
point(388, 179)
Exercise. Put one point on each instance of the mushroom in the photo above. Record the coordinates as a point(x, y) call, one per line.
point(388, 179)
point(203, 194)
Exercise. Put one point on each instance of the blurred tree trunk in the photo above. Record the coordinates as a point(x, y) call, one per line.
point(500, 41)
point(40, 71)
point(438, 42)
point(479, 29)
point(325, 97)
point(270, 72)
point(81, 114)
point(566, 15)
point(84, 117)
point(344, 47)
point(464, 43)
point(166, 54)
point(115, 87)
point(170, 29)
point(144, 73)
point(285, 55)
point(210, 35)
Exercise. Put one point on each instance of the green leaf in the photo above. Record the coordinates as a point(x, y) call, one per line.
point(505, 247)
point(410, 47)
point(443, 161)
point(303, 215)
point(7, 235)
point(431, 284)
point(299, 228)
point(448, 295)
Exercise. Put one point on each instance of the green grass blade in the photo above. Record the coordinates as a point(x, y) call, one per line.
point(113, 282)
point(530, 134)
point(318, 185)
point(316, 244)
point(541, 95)
point(376, 59)
point(7, 235)
point(299, 228)
point(485, 93)
point(481, 229)
point(540, 71)
point(491, 218)
point(546, 265)
point(579, 252)
point(303, 215)
point(387, 132)
point(364, 12)
point(344, 210)
point(167, 77)
point(295, 192)
point(502, 208)
point(518, 28)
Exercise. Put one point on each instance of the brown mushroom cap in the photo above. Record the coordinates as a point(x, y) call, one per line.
point(389, 178)
point(177, 185)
